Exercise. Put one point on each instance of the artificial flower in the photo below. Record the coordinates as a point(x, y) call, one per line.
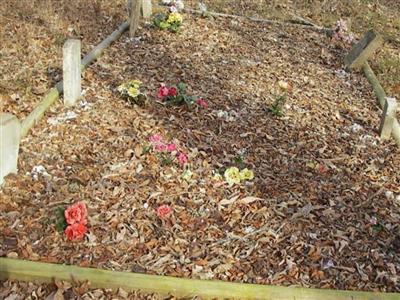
point(174, 18)
point(160, 147)
point(162, 92)
point(232, 176)
point(76, 213)
point(164, 211)
point(182, 158)
point(246, 174)
point(75, 231)
point(133, 92)
point(136, 83)
point(202, 103)
point(171, 147)
point(155, 138)
point(172, 91)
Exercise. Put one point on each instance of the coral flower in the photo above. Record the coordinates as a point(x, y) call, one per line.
point(155, 138)
point(182, 158)
point(76, 213)
point(161, 147)
point(164, 211)
point(75, 232)
point(171, 147)
point(172, 92)
point(163, 92)
point(202, 103)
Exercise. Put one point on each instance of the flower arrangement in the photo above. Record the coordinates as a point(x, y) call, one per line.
point(164, 211)
point(341, 32)
point(176, 95)
point(73, 221)
point(132, 91)
point(167, 152)
point(171, 21)
point(233, 176)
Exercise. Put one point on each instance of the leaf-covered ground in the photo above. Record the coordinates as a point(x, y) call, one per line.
point(322, 211)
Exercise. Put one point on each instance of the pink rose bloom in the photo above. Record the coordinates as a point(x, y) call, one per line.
point(155, 138)
point(161, 147)
point(76, 213)
point(171, 147)
point(172, 92)
point(202, 103)
point(162, 92)
point(75, 232)
point(164, 211)
point(182, 158)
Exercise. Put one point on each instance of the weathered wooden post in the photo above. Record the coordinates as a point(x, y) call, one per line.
point(147, 9)
point(10, 135)
point(135, 16)
point(388, 117)
point(361, 51)
point(72, 71)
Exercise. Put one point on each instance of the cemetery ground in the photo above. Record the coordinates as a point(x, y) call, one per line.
point(322, 210)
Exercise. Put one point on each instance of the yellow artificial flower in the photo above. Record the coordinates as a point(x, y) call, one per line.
point(121, 88)
point(232, 176)
point(136, 83)
point(246, 174)
point(133, 92)
point(174, 18)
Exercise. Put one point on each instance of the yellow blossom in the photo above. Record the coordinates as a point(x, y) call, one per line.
point(232, 176)
point(136, 83)
point(174, 18)
point(133, 92)
point(246, 174)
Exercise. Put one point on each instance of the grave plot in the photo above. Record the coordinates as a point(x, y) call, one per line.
point(322, 209)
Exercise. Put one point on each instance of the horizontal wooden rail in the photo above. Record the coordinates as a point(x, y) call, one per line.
point(55, 92)
point(165, 285)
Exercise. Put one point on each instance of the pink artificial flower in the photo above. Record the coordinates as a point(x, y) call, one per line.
point(160, 147)
point(172, 92)
point(162, 92)
point(155, 138)
point(171, 147)
point(75, 231)
point(164, 211)
point(202, 103)
point(76, 213)
point(182, 158)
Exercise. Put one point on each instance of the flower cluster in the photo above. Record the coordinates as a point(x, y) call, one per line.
point(167, 151)
point(171, 21)
point(341, 32)
point(177, 96)
point(131, 90)
point(234, 176)
point(76, 220)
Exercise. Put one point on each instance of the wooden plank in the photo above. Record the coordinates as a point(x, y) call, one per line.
point(361, 51)
point(180, 287)
point(387, 119)
point(381, 96)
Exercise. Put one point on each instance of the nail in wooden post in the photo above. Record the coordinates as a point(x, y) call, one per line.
point(388, 117)
point(147, 9)
point(363, 50)
point(10, 135)
point(72, 71)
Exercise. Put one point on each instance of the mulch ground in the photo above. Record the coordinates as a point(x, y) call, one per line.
point(322, 211)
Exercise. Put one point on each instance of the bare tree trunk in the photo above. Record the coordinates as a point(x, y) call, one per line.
point(134, 17)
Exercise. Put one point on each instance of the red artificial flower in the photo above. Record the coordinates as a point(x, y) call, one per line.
point(160, 147)
point(164, 211)
point(76, 213)
point(172, 92)
point(75, 232)
point(163, 91)
point(156, 138)
point(322, 169)
point(202, 103)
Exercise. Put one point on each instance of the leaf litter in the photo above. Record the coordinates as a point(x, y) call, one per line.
point(295, 223)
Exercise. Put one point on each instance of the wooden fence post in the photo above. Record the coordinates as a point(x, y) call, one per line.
point(388, 117)
point(10, 135)
point(72, 71)
point(135, 16)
